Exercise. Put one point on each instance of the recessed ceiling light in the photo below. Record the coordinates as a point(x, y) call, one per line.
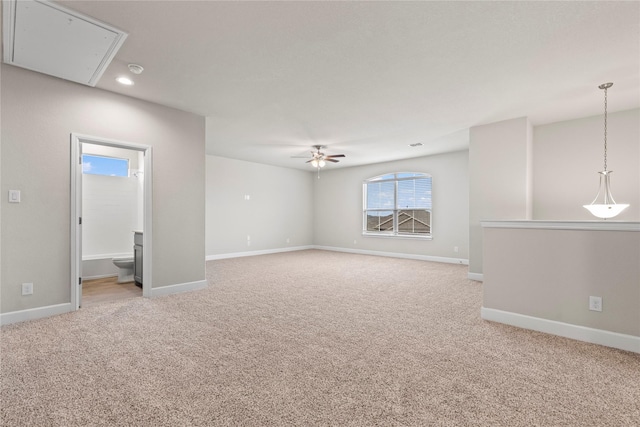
point(416, 144)
point(124, 81)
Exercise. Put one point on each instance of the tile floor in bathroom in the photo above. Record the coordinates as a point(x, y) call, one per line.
point(98, 291)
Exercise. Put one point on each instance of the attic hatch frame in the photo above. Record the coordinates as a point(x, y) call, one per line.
point(76, 211)
point(80, 43)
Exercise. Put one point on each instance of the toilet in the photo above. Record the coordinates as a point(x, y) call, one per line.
point(125, 269)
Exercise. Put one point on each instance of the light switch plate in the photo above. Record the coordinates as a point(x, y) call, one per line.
point(14, 196)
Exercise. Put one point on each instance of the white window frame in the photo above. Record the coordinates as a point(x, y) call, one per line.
point(395, 233)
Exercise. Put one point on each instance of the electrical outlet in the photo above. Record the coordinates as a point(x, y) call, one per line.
point(595, 303)
point(288, 240)
point(455, 249)
point(27, 289)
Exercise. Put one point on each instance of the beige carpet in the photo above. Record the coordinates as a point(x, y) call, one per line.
point(310, 338)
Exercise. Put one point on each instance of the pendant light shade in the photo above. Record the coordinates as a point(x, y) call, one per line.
point(608, 208)
point(603, 206)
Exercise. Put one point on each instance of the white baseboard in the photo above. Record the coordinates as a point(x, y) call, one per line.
point(461, 261)
point(253, 253)
point(478, 277)
point(396, 255)
point(181, 287)
point(34, 313)
point(567, 330)
point(53, 310)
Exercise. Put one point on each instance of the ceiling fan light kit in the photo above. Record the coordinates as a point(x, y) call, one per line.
point(319, 159)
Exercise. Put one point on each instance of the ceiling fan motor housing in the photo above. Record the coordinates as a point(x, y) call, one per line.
point(318, 156)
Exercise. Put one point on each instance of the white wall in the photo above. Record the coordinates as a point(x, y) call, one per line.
point(540, 275)
point(500, 179)
point(338, 207)
point(564, 160)
point(519, 172)
point(38, 115)
point(280, 207)
point(567, 157)
point(295, 205)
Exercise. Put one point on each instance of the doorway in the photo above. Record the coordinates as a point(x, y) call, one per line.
point(140, 156)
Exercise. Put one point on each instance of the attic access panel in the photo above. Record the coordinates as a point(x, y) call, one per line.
point(45, 37)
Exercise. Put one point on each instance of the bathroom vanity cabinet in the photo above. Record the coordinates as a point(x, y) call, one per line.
point(137, 258)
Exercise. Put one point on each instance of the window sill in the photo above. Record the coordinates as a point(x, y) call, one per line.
point(398, 236)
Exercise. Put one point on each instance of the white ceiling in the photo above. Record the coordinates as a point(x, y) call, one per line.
point(368, 78)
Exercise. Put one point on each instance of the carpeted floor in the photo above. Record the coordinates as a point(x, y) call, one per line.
point(310, 338)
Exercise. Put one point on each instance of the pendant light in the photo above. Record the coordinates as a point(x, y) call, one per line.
point(608, 208)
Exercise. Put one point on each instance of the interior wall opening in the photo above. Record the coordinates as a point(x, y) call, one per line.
point(113, 223)
point(111, 220)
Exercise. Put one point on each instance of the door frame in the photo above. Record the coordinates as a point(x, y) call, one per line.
point(76, 210)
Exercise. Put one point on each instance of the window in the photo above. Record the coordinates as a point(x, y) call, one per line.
point(398, 204)
point(101, 165)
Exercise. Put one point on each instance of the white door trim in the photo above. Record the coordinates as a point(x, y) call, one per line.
point(76, 210)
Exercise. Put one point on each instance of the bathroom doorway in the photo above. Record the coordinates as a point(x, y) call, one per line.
point(111, 220)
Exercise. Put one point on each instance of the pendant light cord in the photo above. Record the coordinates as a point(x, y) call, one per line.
point(605, 129)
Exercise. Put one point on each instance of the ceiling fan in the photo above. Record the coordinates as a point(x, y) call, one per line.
point(319, 159)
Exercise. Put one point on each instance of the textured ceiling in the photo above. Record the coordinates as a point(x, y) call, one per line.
point(368, 78)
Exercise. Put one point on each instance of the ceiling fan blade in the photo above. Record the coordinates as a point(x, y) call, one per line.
point(300, 157)
point(334, 155)
point(331, 160)
point(309, 161)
